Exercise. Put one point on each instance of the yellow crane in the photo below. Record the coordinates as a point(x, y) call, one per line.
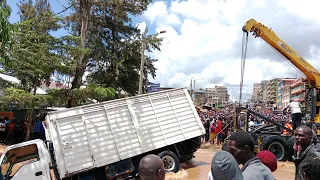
point(313, 75)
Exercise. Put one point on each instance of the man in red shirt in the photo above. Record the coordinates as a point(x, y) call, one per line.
point(218, 129)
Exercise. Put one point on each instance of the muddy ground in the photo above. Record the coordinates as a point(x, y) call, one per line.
point(198, 168)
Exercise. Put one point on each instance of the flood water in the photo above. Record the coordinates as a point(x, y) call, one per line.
point(198, 168)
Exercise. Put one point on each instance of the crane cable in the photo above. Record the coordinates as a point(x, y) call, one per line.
point(243, 62)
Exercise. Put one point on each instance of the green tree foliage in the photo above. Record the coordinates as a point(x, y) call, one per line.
point(82, 95)
point(102, 41)
point(114, 59)
point(6, 30)
point(22, 98)
point(33, 56)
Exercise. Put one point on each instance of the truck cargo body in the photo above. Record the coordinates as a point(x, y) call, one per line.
point(93, 136)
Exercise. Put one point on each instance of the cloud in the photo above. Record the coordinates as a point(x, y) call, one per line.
point(159, 14)
point(142, 26)
point(205, 39)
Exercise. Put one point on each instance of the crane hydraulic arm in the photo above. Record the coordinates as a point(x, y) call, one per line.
point(312, 74)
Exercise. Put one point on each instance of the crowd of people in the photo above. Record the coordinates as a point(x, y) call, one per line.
point(219, 123)
point(13, 131)
point(240, 151)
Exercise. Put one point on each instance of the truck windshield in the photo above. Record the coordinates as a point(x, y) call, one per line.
point(6, 164)
point(16, 158)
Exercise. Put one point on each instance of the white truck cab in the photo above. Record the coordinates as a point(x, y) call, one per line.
point(28, 160)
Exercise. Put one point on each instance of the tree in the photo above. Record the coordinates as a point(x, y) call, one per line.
point(82, 96)
point(81, 60)
point(22, 98)
point(33, 56)
point(5, 31)
point(114, 59)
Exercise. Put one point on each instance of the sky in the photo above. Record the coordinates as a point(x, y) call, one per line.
point(57, 6)
point(203, 40)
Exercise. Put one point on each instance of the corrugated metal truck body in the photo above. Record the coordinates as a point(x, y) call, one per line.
point(96, 135)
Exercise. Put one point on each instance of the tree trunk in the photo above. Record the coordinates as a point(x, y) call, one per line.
point(35, 85)
point(85, 6)
point(30, 123)
point(31, 116)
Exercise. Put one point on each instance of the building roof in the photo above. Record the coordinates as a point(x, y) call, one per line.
point(9, 78)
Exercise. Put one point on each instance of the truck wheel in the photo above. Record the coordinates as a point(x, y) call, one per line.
point(277, 146)
point(290, 143)
point(170, 160)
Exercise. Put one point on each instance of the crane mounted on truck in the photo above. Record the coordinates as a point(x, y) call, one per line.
point(311, 73)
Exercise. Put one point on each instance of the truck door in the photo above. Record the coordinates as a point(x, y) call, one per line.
point(24, 163)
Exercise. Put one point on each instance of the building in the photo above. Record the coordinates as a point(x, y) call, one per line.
point(262, 94)
point(298, 89)
point(255, 93)
point(283, 83)
point(272, 90)
point(210, 95)
point(217, 96)
point(199, 98)
point(286, 96)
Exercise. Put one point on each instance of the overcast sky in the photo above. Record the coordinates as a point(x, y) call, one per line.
point(204, 40)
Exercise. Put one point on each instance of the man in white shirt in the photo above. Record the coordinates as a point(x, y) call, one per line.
point(295, 108)
point(2, 130)
point(251, 124)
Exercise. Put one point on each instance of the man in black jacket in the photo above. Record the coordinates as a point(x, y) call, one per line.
point(303, 139)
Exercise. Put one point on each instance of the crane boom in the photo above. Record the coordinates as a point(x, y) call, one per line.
point(259, 30)
point(311, 73)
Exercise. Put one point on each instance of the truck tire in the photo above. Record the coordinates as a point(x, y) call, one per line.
point(277, 146)
point(290, 143)
point(170, 160)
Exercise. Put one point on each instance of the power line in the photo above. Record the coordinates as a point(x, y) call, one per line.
point(61, 4)
point(65, 9)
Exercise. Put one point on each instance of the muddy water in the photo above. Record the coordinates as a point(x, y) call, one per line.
point(198, 168)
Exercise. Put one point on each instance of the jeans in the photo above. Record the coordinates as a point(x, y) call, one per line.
point(296, 120)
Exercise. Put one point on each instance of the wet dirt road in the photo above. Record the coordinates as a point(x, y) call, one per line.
point(198, 168)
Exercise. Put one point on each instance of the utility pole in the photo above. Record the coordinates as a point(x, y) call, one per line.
point(194, 90)
point(143, 47)
point(191, 91)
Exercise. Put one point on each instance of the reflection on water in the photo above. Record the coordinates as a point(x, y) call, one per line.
point(182, 174)
point(199, 167)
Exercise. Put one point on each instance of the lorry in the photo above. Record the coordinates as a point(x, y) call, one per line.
point(107, 140)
